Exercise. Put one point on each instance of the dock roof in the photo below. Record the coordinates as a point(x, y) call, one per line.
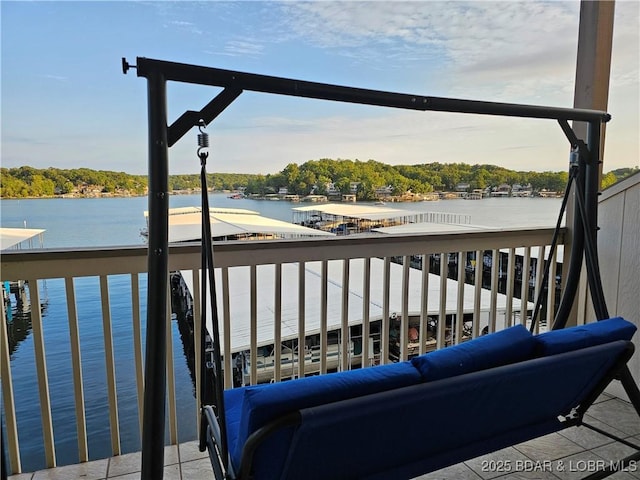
point(367, 212)
point(428, 227)
point(239, 295)
point(185, 224)
point(11, 237)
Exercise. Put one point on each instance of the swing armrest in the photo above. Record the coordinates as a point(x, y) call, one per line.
point(213, 427)
point(257, 438)
point(213, 438)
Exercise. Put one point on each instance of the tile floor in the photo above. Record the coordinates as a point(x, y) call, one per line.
point(567, 455)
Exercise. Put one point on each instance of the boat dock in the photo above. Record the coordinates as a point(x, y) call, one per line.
point(185, 225)
point(17, 239)
point(241, 287)
point(344, 219)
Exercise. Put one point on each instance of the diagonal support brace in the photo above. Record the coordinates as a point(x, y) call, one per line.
point(191, 118)
point(573, 139)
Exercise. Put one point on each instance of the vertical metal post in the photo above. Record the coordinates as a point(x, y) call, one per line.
point(153, 426)
point(593, 67)
point(592, 187)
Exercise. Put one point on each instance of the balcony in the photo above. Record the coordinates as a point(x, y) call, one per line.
point(69, 271)
point(90, 274)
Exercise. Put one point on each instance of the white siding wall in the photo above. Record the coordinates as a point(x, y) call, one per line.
point(619, 250)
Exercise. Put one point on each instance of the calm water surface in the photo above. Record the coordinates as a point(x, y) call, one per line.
point(118, 221)
point(85, 222)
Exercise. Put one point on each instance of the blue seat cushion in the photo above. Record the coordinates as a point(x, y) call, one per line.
point(233, 412)
point(266, 402)
point(591, 334)
point(511, 345)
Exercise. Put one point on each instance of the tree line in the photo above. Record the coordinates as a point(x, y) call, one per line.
point(313, 176)
point(23, 182)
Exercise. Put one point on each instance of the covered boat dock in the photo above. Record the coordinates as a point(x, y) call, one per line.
point(346, 219)
point(20, 237)
point(185, 224)
point(240, 289)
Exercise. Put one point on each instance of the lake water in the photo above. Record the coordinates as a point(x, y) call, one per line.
point(118, 221)
point(82, 222)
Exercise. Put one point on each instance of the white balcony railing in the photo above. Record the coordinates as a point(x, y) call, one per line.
point(356, 258)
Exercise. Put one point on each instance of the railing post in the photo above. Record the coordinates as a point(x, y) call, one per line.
point(157, 257)
point(41, 371)
point(109, 360)
point(78, 388)
point(9, 403)
point(593, 66)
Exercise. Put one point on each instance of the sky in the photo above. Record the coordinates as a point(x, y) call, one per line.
point(66, 103)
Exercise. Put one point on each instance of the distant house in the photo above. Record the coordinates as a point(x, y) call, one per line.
point(331, 189)
point(283, 191)
point(518, 190)
point(462, 187)
point(503, 190)
point(382, 192)
point(353, 187)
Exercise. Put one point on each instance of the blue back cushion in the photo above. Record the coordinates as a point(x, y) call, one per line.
point(501, 348)
point(266, 402)
point(573, 338)
point(233, 413)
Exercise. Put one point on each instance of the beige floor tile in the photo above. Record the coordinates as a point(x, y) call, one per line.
point(530, 473)
point(95, 470)
point(189, 451)
point(585, 437)
point(617, 451)
point(548, 448)
point(123, 464)
point(618, 414)
point(21, 476)
point(622, 476)
point(128, 476)
point(172, 472)
point(603, 397)
point(196, 469)
point(455, 472)
point(575, 466)
point(595, 421)
point(613, 451)
point(171, 455)
point(496, 464)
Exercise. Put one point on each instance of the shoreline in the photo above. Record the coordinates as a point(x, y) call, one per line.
point(393, 199)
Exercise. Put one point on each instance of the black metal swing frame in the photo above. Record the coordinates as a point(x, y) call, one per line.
point(161, 136)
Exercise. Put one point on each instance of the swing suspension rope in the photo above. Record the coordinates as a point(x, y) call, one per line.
point(577, 157)
point(542, 294)
point(210, 395)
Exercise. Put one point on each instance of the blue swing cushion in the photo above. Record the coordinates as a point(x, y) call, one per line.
point(582, 336)
point(507, 346)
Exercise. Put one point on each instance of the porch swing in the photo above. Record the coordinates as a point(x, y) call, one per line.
point(379, 422)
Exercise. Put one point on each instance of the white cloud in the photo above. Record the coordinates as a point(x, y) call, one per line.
point(186, 26)
point(243, 47)
point(522, 52)
point(504, 47)
point(59, 78)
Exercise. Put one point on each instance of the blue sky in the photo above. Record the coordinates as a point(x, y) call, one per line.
point(66, 103)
